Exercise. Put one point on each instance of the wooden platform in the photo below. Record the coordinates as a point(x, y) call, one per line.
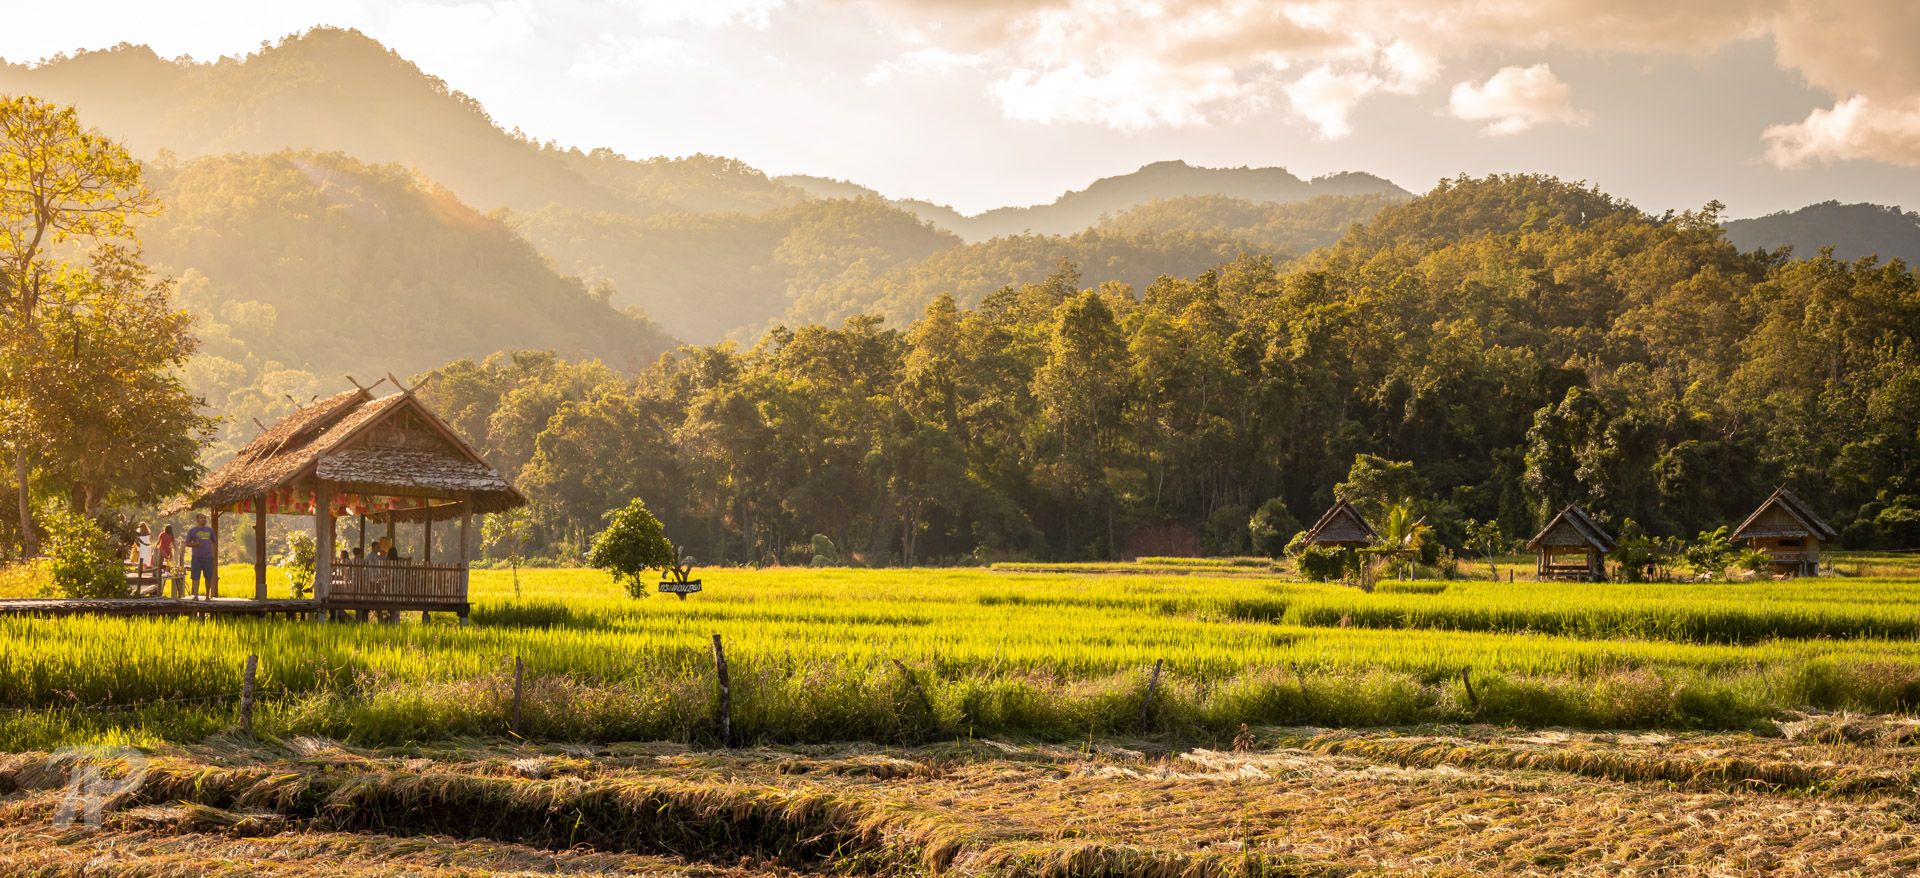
point(155, 607)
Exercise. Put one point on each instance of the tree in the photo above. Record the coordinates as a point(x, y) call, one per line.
point(633, 543)
point(103, 399)
point(61, 188)
point(1487, 538)
point(506, 534)
point(1272, 528)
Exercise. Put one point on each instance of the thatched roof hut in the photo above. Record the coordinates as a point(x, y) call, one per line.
point(388, 458)
point(1341, 526)
point(1787, 529)
point(1572, 532)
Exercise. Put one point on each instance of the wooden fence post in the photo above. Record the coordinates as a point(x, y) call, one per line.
point(726, 692)
point(1467, 681)
point(1146, 704)
point(519, 674)
point(246, 694)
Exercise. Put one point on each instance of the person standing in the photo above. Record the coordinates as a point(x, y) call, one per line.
point(163, 556)
point(142, 549)
point(200, 545)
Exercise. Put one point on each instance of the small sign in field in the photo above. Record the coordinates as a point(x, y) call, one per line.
point(681, 588)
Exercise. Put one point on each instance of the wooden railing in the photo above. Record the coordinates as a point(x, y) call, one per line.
point(397, 582)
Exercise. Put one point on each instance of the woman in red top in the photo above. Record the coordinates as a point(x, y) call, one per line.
point(163, 552)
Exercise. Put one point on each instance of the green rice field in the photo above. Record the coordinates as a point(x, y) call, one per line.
point(903, 656)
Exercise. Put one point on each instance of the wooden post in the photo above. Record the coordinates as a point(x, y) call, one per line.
point(323, 542)
point(426, 536)
point(725, 710)
point(246, 695)
point(1467, 681)
point(519, 673)
point(260, 549)
point(213, 575)
point(466, 526)
point(1146, 704)
point(363, 534)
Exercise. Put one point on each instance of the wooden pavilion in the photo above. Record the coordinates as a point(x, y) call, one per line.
point(1787, 529)
point(1340, 527)
point(1572, 534)
point(384, 459)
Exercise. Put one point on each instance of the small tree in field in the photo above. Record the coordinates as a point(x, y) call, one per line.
point(506, 533)
point(299, 561)
point(634, 543)
point(1487, 538)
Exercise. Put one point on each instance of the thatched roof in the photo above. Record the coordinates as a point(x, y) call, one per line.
point(1572, 528)
point(1341, 525)
point(362, 445)
point(1784, 514)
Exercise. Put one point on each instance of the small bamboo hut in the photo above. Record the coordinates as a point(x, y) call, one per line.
point(1573, 547)
point(384, 459)
point(1340, 527)
point(1787, 529)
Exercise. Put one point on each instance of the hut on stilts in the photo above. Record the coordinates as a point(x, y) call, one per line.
point(1789, 531)
point(387, 460)
point(1573, 547)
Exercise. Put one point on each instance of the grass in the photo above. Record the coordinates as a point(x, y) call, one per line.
point(909, 656)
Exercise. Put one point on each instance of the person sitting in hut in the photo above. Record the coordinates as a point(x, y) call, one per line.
point(359, 554)
point(393, 551)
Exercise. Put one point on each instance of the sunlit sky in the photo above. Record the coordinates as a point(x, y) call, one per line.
point(1763, 104)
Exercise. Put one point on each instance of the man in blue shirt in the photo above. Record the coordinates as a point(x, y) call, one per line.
point(200, 542)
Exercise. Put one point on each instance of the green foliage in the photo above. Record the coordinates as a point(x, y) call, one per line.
point(1328, 563)
point(1272, 528)
point(1713, 553)
point(298, 561)
point(505, 535)
point(82, 561)
point(632, 544)
point(825, 554)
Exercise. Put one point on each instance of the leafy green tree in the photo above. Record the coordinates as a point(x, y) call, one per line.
point(632, 544)
point(1272, 528)
point(62, 189)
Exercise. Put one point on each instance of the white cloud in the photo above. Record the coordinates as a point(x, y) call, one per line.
point(1516, 99)
point(1854, 129)
point(930, 61)
point(1326, 98)
point(756, 14)
point(615, 57)
point(470, 26)
point(1128, 95)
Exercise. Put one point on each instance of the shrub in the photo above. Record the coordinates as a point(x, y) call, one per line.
point(825, 554)
point(1228, 530)
point(81, 559)
point(1322, 564)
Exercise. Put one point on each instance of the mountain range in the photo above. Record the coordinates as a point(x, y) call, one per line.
point(380, 213)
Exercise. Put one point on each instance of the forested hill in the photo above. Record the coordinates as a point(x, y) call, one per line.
point(1852, 230)
point(1492, 350)
point(303, 267)
point(339, 90)
point(1079, 210)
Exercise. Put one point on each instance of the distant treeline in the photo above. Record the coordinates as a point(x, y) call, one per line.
point(1522, 341)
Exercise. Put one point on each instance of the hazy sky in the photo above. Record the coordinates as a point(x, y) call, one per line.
point(1763, 104)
